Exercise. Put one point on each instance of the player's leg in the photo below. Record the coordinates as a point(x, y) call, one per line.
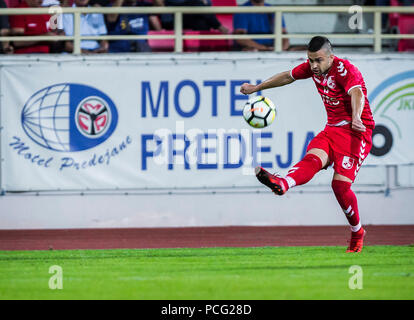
point(341, 186)
point(351, 150)
point(346, 198)
point(316, 158)
point(301, 173)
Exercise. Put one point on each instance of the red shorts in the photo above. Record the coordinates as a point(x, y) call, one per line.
point(346, 148)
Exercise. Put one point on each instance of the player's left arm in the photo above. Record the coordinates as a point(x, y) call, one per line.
point(357, 103)
point(351, 80)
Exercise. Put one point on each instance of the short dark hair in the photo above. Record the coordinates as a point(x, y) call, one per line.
point(319, 42)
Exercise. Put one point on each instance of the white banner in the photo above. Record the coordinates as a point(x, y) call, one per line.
point(161, 124)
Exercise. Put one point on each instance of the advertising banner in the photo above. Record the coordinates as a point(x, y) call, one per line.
point(128, 125)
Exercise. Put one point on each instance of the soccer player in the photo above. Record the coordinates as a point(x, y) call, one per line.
point(347, 138)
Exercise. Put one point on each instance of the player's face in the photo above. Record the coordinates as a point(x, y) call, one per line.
point(320, 61)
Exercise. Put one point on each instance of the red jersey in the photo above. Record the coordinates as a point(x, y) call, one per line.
point(334, 87)
point(33, 25)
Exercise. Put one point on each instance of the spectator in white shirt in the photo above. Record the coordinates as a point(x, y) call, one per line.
point(92, 24)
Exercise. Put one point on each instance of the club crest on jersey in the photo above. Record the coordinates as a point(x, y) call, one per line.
point(331, 83)
point(328, 83)
point(347, 162)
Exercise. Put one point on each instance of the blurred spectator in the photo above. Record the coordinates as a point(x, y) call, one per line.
point(100, 3)
point(49, 3)
point(385, 16)
point(130, 24)
point(191, 21)
point(30, 25)
point(92, 24)
point(55, 25)
point(13, 3)
point(400, 2)
point(257, 23)
point(5, 46)
point(62, 3)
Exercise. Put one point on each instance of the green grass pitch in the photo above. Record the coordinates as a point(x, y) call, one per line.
point(210, 273)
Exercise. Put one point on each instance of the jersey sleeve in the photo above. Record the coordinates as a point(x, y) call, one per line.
point(302, 71)
point(349, 76)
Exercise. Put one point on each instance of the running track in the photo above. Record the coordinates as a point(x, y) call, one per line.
point(196, 237)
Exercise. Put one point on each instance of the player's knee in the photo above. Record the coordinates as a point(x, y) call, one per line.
point(320, 154)
point(314, 160)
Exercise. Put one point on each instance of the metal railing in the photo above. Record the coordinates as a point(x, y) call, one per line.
point(179, 37)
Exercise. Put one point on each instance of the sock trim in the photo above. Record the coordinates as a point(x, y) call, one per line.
point(356, 228)
point(290, 181)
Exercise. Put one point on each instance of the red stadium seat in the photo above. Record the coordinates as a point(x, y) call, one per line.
point(195, 45)
point(161, 45)
point(227, 21)
point(406, 26)
point(393, 17)
point(214, 45)
point(12, 3)
point(167, 45)
point(191, 45)
point(224, 3)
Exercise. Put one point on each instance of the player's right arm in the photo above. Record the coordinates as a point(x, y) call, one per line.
point(278, 80)
point(302, 71)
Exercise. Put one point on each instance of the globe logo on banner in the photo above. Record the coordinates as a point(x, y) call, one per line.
point(69, 117)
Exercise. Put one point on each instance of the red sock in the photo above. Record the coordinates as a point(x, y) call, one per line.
point(348, 202)
point(304, 170)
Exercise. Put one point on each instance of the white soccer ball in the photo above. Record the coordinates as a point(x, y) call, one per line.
point(259, 112)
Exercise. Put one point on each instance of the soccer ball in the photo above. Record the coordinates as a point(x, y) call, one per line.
point(259, 112)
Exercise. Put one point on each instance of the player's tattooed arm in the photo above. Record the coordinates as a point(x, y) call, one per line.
point(357, 102)
point(278, 80)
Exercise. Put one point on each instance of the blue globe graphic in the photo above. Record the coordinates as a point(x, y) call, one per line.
point(51, 117)
point(45, 117)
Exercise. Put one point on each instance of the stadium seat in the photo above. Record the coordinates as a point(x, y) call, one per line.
point(406, 26)
point(12, 3)
point(195, 45)
point(167, 45)
point(191, 45)
point(404, 23)
point(214, 45)
point(224, 3)
point(393, 17)
point(161, 45)
point(227, 21)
